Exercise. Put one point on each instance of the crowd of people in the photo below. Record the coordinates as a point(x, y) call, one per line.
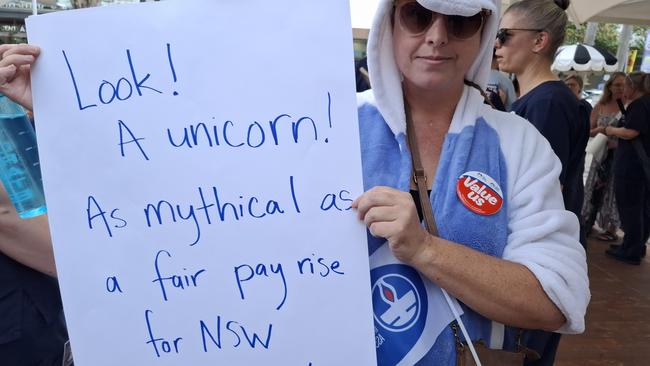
point(464, 199)
point(610, 198)
point(617, 176)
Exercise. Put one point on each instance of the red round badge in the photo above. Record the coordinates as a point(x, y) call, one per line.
point(479, 193)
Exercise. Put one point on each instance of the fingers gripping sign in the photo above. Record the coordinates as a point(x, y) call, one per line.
point(392, 215)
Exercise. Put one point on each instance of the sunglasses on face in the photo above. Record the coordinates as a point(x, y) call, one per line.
point(504, 33)
point(416, 19)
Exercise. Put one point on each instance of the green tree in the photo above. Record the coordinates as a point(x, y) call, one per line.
point(575, 34)
point(638, 43)
point(607, 37)
point(85, 3)
point(638, 37)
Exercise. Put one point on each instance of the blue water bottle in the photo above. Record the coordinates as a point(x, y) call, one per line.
point(19, 166)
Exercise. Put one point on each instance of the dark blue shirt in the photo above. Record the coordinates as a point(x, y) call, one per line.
point(626, 163)
point(32, 328)
point(588, 108)
point(555, 111)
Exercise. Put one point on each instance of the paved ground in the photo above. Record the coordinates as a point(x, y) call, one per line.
point(618, 318)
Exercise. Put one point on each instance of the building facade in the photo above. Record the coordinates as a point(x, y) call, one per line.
point(14, 12)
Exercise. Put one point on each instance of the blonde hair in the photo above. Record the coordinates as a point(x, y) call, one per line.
point(549, 15)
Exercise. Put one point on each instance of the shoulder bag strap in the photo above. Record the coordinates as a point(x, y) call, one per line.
point(419, 176)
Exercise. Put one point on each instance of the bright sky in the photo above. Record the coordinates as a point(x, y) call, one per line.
point(362, 12)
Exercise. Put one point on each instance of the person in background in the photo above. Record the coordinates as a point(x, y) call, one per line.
point(500, 84)
point(531, 31)
point(32, 326)
point(361, 74)
point(630, 183)
point(600, 203)
point(576, 83)
point(530, 34)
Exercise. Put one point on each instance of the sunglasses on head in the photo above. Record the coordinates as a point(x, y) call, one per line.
point(504, 33)
point(416, 19)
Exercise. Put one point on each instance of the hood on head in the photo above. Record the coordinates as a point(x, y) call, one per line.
point(385, 77)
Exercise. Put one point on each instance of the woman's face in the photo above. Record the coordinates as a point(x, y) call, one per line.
point(517, 51)
point(617, 88)
point(434, 60)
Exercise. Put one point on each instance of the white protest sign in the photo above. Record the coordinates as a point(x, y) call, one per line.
point(199, 161)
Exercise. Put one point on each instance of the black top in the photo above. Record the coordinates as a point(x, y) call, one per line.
point(362, 82)
point(32, 328)
point(587, 106)
point(626, 162)
point(555, 111)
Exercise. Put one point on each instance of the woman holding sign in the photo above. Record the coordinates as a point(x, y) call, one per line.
point(503, 245)
point(500, 240)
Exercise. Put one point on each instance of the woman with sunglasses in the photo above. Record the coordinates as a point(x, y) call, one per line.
point(505, 248)
point(631, 185)
point(530, 34)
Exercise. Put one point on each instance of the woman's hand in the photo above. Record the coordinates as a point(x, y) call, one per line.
point(501, 290)
point(596, 130)
point(15, 65)
point(391, 214)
